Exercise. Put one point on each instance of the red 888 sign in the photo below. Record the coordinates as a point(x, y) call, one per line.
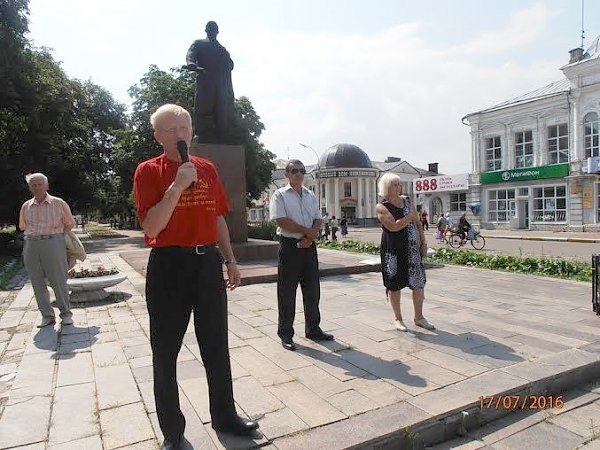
point(426, 185)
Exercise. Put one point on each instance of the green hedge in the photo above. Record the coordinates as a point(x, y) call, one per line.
point(351, 246)
point(552, 267)
point(266, 231)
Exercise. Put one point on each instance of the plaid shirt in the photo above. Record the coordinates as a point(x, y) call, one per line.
point(50, 216)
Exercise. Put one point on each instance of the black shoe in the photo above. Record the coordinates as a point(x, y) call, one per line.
point(171, 444)
point(238, 426)
point(288, 344)
point(320, 336)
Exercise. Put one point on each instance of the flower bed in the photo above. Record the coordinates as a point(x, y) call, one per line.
point(99, 271)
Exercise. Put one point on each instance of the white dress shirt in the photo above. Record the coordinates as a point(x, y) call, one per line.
point(302, 209)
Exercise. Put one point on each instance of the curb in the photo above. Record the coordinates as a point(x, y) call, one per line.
point(545, 238)
point(409, 425)
point(348, 270)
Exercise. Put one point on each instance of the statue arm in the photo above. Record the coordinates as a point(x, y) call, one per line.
point(190, 57)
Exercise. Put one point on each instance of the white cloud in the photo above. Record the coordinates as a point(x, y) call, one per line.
point(390, 93)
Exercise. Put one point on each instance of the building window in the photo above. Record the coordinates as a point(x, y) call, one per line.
point(550, 204)
point(493, 154)
point(347, 189)
point(312, 188)
point(501, 205)
point(458, 202)
point(524, 149)
point(591, 131)
point(323, 191)
point(558, 143)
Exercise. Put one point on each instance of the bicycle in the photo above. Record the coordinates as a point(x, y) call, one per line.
point(474, 236)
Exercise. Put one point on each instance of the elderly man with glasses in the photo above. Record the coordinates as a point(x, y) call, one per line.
point(296, 210)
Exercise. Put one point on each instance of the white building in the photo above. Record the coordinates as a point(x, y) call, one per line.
point(535, 158)
point(345, 182)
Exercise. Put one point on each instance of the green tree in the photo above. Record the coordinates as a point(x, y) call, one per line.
point(49, 123)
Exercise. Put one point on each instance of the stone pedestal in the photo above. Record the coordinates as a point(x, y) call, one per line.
point(230, 162)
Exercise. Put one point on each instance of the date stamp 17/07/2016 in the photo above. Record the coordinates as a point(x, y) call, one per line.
point(526, 401)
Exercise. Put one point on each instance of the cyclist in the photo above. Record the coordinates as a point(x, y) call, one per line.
point(463, 226)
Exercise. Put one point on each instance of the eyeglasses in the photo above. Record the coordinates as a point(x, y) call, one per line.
point(295, 171)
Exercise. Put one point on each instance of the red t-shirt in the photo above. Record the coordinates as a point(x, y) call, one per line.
point(194, 219)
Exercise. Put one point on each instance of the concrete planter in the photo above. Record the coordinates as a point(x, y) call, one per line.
point(92, 288)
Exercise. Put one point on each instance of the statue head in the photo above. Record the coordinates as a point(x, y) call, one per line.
point(212, 29)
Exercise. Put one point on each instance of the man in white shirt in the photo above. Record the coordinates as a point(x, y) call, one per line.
point(296, 210)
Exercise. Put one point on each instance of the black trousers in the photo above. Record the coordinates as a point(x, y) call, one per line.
point(297, 266)
point(177, 283)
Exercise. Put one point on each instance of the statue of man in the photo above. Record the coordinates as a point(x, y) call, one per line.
point(213, 102)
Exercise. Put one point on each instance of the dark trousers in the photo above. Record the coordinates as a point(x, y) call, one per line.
point(297, 266)
point(177, 283)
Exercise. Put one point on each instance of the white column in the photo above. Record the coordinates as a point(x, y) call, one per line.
point(359, 199)
point(368, 200)
point(336, 198)
point(326, 199)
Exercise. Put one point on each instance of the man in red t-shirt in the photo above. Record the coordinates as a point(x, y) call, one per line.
point(181, 208)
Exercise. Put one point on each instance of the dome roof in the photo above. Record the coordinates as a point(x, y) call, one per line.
point(345, 156)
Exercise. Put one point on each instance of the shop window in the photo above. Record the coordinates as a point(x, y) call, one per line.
point(524, 149)
point(558, 144)
point(591, 130)
point(493, 154)
point(501, 205)
point(347, 189)
point(458, 202)
point(550, 204)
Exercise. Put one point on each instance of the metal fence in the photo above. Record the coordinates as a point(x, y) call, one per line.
point(595, 283)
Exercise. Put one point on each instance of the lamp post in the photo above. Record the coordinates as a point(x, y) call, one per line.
point(317, 176)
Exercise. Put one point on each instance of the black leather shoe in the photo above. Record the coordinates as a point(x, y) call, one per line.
point(171, 444)
point(288, 344)
point(320, 336)
point(238, 426)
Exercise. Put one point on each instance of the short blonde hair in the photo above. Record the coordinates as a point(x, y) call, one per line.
point(36, 176)
point(168, 110)
point(385, 182)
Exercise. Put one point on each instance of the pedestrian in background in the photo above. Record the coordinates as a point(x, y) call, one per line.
point(44, 219)
point(344, 227)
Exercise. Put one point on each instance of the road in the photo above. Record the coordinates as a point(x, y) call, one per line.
point(578, 250)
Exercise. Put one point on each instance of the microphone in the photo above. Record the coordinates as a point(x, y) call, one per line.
point(182, 148)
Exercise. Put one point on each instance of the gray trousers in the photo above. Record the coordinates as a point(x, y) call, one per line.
point(46, 260)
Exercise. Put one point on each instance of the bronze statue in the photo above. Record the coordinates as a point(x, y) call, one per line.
point(213, 102)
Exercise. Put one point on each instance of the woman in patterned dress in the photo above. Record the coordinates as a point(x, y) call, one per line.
point(401, 263)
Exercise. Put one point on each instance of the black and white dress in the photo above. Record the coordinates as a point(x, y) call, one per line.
point(401, 264)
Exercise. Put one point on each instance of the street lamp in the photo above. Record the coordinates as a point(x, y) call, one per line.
point(317, 176)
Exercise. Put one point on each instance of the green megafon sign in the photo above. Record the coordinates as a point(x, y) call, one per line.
point(528, 173)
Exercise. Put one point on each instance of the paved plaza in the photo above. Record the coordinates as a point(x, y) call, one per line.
point(89, 386)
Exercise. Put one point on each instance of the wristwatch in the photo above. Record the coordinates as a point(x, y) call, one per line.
point(229, 261)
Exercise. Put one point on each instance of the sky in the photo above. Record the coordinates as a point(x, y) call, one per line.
point(394, 77)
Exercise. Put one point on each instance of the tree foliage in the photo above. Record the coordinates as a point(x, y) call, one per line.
point(80, 137)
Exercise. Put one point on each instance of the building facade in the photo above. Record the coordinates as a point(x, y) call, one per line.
point(345, 182)
point(536, 158)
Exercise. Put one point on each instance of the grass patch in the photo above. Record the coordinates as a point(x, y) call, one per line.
point(97, 231)
point(349, 245)
point(9, 267)
point(550, 267)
